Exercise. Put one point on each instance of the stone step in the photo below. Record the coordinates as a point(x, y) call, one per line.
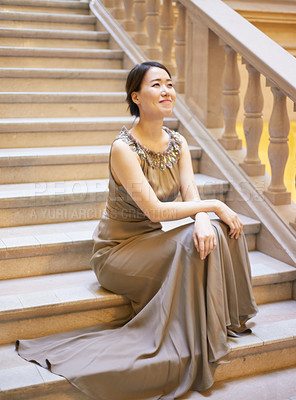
point(20, 20)
point(62, 104)
point(66, 247)
point(271, 346)
point(53, 38)
point(41, 132)
point(45, 164)
point(279, 384)
point(64, 80)
point(66, 201)
point(59, 6)
point(30, 57)
point(68, 300)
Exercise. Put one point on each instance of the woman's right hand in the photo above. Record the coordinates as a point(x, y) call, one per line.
point(230, 218)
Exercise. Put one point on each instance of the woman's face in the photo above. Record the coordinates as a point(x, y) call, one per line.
point(156, 98)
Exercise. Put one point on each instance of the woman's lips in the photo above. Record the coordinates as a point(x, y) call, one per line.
point(166, 101)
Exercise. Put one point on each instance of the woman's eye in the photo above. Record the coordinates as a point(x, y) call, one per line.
point(156, 85)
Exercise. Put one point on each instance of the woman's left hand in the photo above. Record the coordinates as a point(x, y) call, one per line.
point(203, 235)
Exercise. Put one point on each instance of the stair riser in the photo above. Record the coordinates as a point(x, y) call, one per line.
point(257, 363)
point(51, 10)
point(59, 110)
point(56, 62)
point(61, 85)
point(48, 173)
point(274, 292)
point(54, 43)
point(74, 258)
point(58, 172)
point(10, 331)
point(46, 25)
point(50, 214)
point(59, 138)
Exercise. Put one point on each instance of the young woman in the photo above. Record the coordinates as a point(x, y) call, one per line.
point(188, 287)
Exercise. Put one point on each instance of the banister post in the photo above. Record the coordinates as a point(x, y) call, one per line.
point(128, 23)
point(152, 23)
point(167, 34)
point(278, 150)
point(253, 123)
point(140, 15)
point(118, 11)
point(204, 65)
point(180, 42)
point(230, 100)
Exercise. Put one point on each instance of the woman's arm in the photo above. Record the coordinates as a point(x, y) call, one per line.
point(203, 236)
point(127, 171)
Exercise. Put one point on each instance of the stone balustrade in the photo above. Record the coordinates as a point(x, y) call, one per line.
point(201, 43)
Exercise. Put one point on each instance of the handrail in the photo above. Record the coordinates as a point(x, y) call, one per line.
point(270, 59)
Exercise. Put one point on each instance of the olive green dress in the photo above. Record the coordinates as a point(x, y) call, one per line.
point(182, 307)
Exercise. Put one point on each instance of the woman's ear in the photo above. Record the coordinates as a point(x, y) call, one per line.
point(135, 97)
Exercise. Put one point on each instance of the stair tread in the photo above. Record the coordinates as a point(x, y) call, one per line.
point(49, 73)
point(53, 34)
point(49, 3)
point(12, 366)
point(21, 296)
point(19, 374)
point(67, 97)
point(81, 231)
point(17, 190)
point(37, 156)
point(276, 385)
point(46, 17)
point(59, 52)
point(19, 123)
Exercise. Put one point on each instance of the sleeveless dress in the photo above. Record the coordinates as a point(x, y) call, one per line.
point(182, 307)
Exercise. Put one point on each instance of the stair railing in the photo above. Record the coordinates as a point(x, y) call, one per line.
point(200, 41)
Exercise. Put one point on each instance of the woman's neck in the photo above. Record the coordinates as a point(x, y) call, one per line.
point(149, 130)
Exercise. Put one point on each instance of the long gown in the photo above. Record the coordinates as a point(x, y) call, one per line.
point(182, 307)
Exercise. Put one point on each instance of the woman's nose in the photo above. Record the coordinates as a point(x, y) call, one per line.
point(164, 89)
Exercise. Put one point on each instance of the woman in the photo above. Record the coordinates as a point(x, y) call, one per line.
point(183, 284)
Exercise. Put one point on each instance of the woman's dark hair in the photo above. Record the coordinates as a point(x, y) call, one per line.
point(134, 82)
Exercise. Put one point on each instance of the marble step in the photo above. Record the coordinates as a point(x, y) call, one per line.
point(64, 80)
point(62, 104)
point(33, 20)
point(279, 384)
point(36, 250)
point(42, 305)
point(66, 201)
point(50, 132)
point(45, 164)
point(59, 6)
point(53, 38)
point(31, 57)
point(271, 346)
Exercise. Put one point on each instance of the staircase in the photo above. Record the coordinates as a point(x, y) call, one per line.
point(61, 105)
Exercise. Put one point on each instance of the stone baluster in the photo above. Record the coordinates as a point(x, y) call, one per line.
point(140, 15)
point(128, 23)
point(278, 149)
point(293, 224)
point(108, 3)
point(118, 11)
point(167, 34)
point(253, 123)
point(152, 23)
point(230, 100)
point(180, 40)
